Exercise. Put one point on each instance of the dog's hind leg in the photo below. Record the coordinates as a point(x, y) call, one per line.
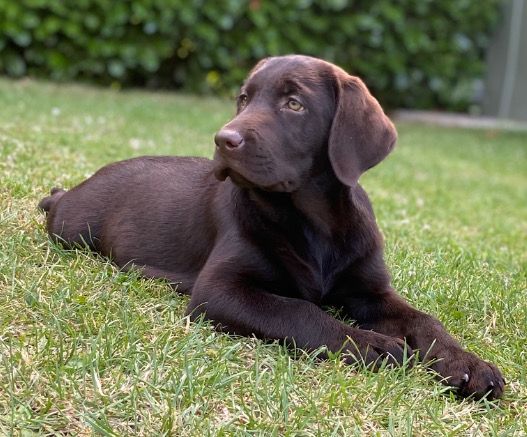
point(181, 282)
point(68, 222)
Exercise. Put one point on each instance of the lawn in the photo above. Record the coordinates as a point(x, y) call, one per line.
point(86, 349)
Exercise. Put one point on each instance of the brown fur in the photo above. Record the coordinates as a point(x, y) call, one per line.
point(274, 227)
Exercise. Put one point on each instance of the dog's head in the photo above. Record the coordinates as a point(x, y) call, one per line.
point(298, 116)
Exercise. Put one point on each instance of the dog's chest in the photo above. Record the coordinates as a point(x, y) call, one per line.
point(313, 263)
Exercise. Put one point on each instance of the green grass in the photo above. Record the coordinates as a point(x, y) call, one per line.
point(86, 349)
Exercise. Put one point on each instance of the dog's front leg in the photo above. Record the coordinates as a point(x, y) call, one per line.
point(389, 314)
point(227, 293)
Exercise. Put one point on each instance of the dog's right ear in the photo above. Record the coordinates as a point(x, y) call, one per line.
point(361, 134)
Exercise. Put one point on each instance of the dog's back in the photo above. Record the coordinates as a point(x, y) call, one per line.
point(149, 211)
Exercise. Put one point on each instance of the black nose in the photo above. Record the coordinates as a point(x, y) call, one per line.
point(228, 139)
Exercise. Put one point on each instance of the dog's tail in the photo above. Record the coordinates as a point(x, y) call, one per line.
point(47, 202)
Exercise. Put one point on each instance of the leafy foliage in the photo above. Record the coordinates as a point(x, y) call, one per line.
point(413, 53)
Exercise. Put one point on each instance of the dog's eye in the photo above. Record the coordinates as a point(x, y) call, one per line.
point(294, 105)
point(242, 100)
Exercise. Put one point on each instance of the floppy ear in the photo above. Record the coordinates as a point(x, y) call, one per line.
point(361, 135)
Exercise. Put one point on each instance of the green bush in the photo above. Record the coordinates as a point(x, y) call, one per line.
point(412, 53)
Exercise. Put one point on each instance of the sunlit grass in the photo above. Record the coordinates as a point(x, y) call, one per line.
point(85, 348)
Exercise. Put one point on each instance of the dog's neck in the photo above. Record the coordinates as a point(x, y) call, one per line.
point(321, 202)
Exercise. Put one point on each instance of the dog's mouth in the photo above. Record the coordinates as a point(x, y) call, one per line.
point(221, 173)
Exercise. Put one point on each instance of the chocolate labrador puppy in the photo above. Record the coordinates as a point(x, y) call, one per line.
point(275, 226)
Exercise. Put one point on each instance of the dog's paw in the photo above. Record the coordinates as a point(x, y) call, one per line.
point(470, 376)
point(374, 350)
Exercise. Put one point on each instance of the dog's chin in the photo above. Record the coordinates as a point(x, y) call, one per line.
point(239, 180)
point(222, 173)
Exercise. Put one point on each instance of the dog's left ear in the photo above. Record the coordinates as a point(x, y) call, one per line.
point(361, 135)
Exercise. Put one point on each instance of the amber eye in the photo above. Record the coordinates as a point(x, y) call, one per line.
point(294, 105)
point(242, 100)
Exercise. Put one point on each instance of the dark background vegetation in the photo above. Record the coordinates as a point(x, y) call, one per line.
point(414, 53)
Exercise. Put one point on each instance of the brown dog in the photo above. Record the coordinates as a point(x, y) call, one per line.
point(275, 226)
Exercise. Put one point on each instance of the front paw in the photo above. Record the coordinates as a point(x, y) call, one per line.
point(374, 349)
point(470, 375)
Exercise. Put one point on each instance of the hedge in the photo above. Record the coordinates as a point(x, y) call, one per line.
point(412, 53)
